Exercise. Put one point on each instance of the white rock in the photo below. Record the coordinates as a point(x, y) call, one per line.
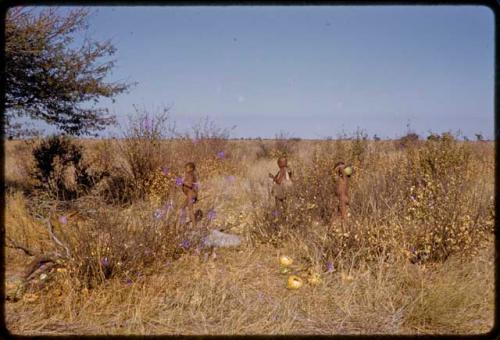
point(217, 238)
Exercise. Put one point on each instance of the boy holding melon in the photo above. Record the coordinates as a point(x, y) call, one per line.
point(342, 173)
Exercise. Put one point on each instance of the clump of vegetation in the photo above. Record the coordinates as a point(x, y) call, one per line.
point(265, 149)
point(359, 146)
point(60, 168)
point(409, 140)
point(207, 145)
point(282, 145)
point(445, 213)
point(142, 150)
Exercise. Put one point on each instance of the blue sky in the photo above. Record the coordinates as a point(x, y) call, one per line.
point(310, 71)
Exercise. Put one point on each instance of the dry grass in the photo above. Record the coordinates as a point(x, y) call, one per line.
point(241, 291)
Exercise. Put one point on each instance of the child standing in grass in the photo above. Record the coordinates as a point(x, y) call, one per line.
point(282, 182)
point(340, 211)
point(190, 189)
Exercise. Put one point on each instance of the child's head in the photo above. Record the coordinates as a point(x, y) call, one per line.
point(190, 167)
point(282, 162)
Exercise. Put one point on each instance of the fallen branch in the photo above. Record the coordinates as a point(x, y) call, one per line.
point(15, 245)
point(49, 260)
point(55, 239)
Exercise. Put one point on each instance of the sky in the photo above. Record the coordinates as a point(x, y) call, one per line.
point(311, 72)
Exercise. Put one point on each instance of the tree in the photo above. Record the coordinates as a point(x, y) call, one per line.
point(49, 79)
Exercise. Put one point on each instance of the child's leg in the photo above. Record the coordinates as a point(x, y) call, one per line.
point(191, 214)
point(283, 207)
point(190, 207)
point(332, 218)
point(335, 214)
point(343, 216)
point(179, 215)
point(343, 210)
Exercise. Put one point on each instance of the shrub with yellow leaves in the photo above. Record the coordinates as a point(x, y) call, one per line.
point(443, 213)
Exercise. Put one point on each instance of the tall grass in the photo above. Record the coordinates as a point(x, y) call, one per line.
point(415, 256)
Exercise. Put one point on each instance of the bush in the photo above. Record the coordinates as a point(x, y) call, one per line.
point(359, 146)
point(207, 145)
point(265, 150)
point(116, 185)
point(142, 151)
point(282, 145)
point(409, 140)
point(209, 140)
point(285, 144)
point(60, 169)
point(443, 210)
point(106, 241)
point(110, 244)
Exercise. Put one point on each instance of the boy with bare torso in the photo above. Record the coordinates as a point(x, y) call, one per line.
point(190, 189)
point(282, 182)
point(341, 192)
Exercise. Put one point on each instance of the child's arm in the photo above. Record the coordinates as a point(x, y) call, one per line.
point(274, 177)
point(195, 183)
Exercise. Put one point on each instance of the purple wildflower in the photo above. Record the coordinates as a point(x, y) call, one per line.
point(158, 213)
point(185, 244)
point(275, 213)
point(260, 296)
point(129, 281)
point(221, 154)
point(165, 170)
point(412, 197)
point(212, 214)
point(329, 267)
point(105, 261)
point(63, 220)
point(179, 181)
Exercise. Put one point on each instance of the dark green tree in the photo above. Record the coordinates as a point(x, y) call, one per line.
point(53, 76)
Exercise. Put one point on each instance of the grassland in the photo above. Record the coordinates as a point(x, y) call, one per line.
point(416, 256)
